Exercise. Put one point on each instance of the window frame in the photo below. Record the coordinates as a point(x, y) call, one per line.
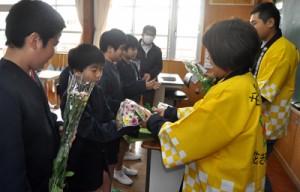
point(172, 30)
point(7, 7)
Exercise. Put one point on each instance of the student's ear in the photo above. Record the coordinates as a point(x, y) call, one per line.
point(33, 39)
point(74, 71)
point(271, 22)
point(110, 49)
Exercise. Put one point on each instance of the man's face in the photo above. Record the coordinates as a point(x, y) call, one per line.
point(263, 29)
point(148, 37)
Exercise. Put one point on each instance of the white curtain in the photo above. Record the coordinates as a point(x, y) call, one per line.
point(79, 7)
point(101, 8)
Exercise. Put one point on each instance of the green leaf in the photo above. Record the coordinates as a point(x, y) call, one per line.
point(147, 106)
point(69, 174)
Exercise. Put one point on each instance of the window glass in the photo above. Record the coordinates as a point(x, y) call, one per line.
point(120, 18)
point(68, 41)
point(69, 13)
point(132, 15)
point(2, 43)
point(50, 2)
point(3, 16)
point(186, 48)
point(159, 18)
point(161, 42)
point(2, 32)
point(187, 32)
point(153, 4)
point(8, 2)
point(70, 35)
point(190, 14)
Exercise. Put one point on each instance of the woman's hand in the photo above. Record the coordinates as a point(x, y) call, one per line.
point(160, 111)
point(148, 115)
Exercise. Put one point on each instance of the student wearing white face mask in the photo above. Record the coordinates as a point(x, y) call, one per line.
point(150, 58)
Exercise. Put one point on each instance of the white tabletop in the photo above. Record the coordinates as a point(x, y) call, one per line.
point(49, 75)
point(169, 79)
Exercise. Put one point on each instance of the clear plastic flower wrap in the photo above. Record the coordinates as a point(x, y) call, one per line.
point(78, 93)
point(195, 68)
point(129, 114)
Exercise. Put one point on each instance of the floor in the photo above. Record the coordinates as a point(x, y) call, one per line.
point(278, 177)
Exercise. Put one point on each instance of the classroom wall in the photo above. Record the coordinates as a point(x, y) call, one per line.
point(290, 25)
point(214, 13)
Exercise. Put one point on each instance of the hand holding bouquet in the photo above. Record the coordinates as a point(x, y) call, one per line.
point(195, 69)
point(78, 94)
point(130, 114)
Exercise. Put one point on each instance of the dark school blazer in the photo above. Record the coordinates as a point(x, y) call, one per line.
point(29, 136)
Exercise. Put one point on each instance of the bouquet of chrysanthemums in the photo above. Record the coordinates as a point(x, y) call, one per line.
point(129, 114)
point(78, 93)
point(197, 70)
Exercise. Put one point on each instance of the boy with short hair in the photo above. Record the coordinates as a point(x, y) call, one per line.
point(112, 44)
point(29, 136)
point(133, 87)
point(87, 157)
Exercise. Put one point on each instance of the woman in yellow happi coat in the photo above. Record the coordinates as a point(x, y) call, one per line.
point(221, 139)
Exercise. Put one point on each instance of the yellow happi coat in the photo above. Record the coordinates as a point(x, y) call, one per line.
point(220, 140)
point(276, 80)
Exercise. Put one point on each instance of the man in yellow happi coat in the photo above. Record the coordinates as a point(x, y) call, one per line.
point(221, 139)
point(275, 72)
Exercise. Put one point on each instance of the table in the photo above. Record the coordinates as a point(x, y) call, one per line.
point(49, 75)
point(158, 177)
point(167, 80)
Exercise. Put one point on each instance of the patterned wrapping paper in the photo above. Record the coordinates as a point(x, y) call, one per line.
point(129, 114)
point(198, 71)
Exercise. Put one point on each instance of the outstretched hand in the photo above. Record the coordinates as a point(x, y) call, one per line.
point(160, 111)
point(148, 115)
point(152, 84)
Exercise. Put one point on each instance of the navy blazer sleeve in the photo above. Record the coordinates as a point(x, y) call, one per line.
point(106, 86)
point(133, 88)
point(97, 121)
point(13, 174)
point(63, 81)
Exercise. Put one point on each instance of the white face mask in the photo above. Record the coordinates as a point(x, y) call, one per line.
point(148, 39)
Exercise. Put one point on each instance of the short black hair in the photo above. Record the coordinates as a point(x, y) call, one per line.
point(149, 28)
point(232, 44)
point(26, 17)
point(132, 42)
point(266, 11)
point(85, 55)
point(114, 38)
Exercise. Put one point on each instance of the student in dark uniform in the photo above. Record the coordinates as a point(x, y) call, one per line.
point(112, 44)
point(133, 87)
point(63, 80)
point(29, 136)
point(150, 57)
point(97, 126)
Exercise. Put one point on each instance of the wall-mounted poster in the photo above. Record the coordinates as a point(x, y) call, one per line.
point(231, 2)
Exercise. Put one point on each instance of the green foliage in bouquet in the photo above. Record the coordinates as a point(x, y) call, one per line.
point(129, 114)
point(78, 94)
point(148, 106)
point(206, 82)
